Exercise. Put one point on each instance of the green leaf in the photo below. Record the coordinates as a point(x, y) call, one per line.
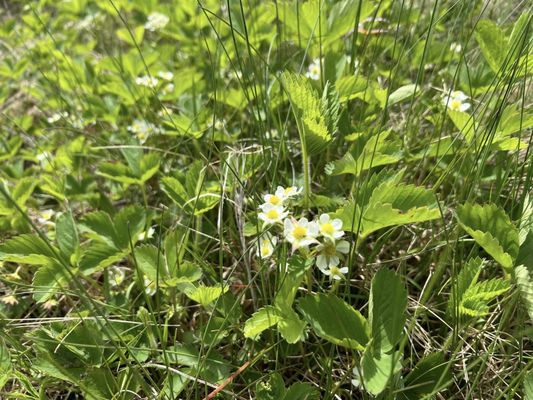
point(260, 321)
point(467, 276)
point(492, 229)
point(301, 391)
point(476, 298)
point(387, 305)
point(528, 386)
point(378, 369)
point(5, 364)
point(100, 223)
point(524, 281)
point(308, 109)
point(47, 280)
point(133, 38)
point(205, 295)
point(67, 234)
point(27, 249)
point(430, 376)
point(149, 166)
point(291, 327)
point(402, 93)
point(492, 42)
point(335, 320)
point(390, 204)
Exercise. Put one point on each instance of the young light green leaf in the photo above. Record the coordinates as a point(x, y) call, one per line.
point(205, 295)
point(336, 321)
point(492, 42)
point(492, 229)
point(260, 321)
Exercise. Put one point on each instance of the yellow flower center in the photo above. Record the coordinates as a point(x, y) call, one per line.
point(327, 228)
point(288, 190)
point(275, 200)
point(335, 271)
point(299, 232)
point(265, 251)
point(455, 104)
point(272, 214)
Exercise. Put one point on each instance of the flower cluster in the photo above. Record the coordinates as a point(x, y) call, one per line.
point(156, 21)
point(324, 233)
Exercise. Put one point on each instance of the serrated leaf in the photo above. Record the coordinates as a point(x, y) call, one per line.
point(492, 229)
point(524, 280)
point(27, 249)
point(205, 295)
point(67, 234)
point(476, 298)
point(387, 307)
point(260, 321)
point(492, 42)
point(98, 255)
point(47, 280)
point(100, 223)
point(390, 204)
point(467, 277)
point(291, 327)
point(336, 321)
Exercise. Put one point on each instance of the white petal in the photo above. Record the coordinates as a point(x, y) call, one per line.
point(334, 261)
point(280, 192)
point(337, 223)
point(344, 270)
point(337, 277)
point(303, 222)
point(343, 247)
point(324, 219)
point(321, 262)
point(464, 107)
point(338, 234)
point(313, 229)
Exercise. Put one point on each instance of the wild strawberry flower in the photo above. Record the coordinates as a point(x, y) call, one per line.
point(266, 245)
point(156, 21)
point(280, 195)
point(456, 101)
point(272, 214)
point(329, 254)
point(335, 272)
point(148, 234)
point(166, 75)
point(149, 286)
point(147, 81)
point(116, 276)
point(313, 71)
point(300, 233)
point(330, 229)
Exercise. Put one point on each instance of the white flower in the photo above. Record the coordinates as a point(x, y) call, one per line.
point(147, 81)
point(116, 276)
point(266, 245)
point(329, 254)
point(456, 101)
point(456, 47)
point(56, 117)
point(331, 229)
point(313, 71)
point(143, 129)
point(156, 21)
point(168, 88)
point(45, 217)
point(280, 195)
point(289, 191)
point(272, 214)
point(165, 75)
point(149, 286)
point(300, 233)
point(219, 124)
point(335, 272)
point(146, 235)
